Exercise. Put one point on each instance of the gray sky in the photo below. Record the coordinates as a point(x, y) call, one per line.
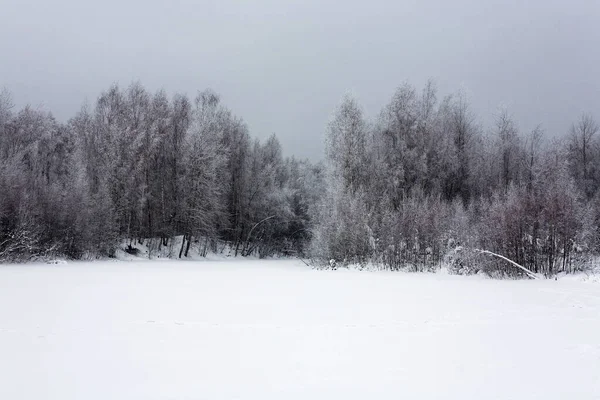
point(284, 65)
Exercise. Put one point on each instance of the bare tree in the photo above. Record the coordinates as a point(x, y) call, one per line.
point(509, 149)
point(584, 151)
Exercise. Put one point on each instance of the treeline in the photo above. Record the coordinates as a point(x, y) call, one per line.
point(141, 165)
point(425, 184)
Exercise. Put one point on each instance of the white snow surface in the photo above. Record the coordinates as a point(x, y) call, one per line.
point(280, 330)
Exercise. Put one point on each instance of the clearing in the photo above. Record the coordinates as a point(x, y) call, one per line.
point(280, 330)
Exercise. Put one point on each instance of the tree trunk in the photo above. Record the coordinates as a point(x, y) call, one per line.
point(182, 246)
point(187, 248)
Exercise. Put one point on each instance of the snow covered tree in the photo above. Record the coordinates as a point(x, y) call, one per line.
point(205, 157)
point(343, 231)
point(509, 151)
point(346, 145)
point(401, 146)
point(459, 123)
point(584, 154)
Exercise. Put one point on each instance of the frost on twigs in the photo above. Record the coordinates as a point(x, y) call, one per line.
point(463, 261)
point(469, 261)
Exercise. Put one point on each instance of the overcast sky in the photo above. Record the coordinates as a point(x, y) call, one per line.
point(283, 66)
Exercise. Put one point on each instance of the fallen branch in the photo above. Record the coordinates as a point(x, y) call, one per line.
point(245, 248)
point(528, 272)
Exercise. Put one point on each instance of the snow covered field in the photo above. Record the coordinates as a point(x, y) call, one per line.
point(279, 330)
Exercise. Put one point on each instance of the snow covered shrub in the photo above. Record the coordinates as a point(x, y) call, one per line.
point(417, 235)
point(342, 232)
point(463, 261)
point(536, 226)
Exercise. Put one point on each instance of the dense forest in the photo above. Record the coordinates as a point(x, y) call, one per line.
point(420, 185)
point(140, 165)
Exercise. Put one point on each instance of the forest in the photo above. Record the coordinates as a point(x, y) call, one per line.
point(420, 185)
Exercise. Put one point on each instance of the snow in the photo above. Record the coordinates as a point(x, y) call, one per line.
point(152, 249)
point(279, 330)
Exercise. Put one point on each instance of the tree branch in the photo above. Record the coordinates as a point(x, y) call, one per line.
point(528, 272)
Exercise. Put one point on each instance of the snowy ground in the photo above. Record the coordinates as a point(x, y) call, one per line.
point(279, 330)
